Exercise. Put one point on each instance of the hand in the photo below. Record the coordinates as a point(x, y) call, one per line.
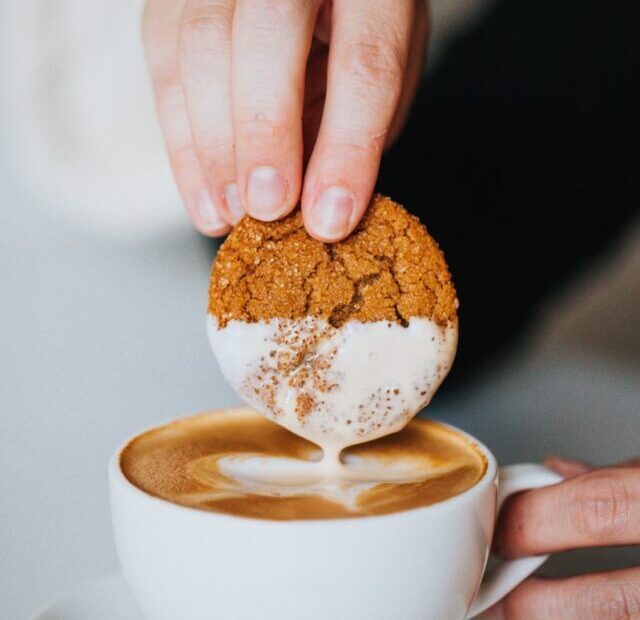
point(591, 508)
point(248, 91)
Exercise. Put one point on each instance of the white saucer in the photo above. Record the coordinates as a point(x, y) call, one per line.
point(105, 598)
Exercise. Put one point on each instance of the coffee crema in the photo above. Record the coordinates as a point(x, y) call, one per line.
point(235, 461)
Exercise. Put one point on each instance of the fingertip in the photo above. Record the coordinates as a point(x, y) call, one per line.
point(332, 215)
point(267, 194)
point(235, 210)
point(206, 217)
point(215, 234)
point(211, 231)
point(566, 467)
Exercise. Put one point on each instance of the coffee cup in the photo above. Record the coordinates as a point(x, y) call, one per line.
point(426, 563)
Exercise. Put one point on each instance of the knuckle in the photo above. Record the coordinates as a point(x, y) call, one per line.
point(183, 158)
point(353, 151)
point(215, 147)
point(203, 28)
point(373, 62)
point(274, 13)
point(169, 95)
point(262, 129)
point(166, 82)
point(609, 601)
point(215, 155)
point(600, 506)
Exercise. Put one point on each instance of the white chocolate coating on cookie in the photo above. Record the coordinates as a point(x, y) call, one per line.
point(335, 386)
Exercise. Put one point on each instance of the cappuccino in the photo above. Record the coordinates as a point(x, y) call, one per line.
point(236, 462)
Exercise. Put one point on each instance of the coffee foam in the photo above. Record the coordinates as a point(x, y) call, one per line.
point(335, 386)
point(237, 462)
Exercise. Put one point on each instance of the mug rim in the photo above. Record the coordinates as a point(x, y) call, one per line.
point(118, 478)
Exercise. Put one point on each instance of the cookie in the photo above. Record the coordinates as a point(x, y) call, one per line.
point(341, 343)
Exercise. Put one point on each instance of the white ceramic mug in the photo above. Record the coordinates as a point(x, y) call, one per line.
point(422, 564)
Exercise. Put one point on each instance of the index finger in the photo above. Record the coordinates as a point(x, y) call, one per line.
point(367, 59)
point(271, 42)
point(598, 508)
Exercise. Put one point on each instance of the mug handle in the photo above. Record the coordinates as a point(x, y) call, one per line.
point(507, 575)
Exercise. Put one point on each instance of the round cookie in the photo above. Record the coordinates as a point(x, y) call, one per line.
point(340, 343)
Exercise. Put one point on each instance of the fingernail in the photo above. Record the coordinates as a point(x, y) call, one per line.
point(209, 218)
point(233, 203)
point(266, 193)
point(331, 213)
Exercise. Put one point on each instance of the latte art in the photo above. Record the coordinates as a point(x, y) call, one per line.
point(268, 476)
point(237, 462)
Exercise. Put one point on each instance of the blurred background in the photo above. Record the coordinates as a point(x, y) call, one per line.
point(521, 156)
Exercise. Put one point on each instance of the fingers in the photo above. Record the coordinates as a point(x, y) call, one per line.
point(592, 508)
point(598, 508)
point(204, 38)
point(567, 468)
point(271, 42)
point(160, 27)
point(603, 596)
point(229, 81)
point(367, 60)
